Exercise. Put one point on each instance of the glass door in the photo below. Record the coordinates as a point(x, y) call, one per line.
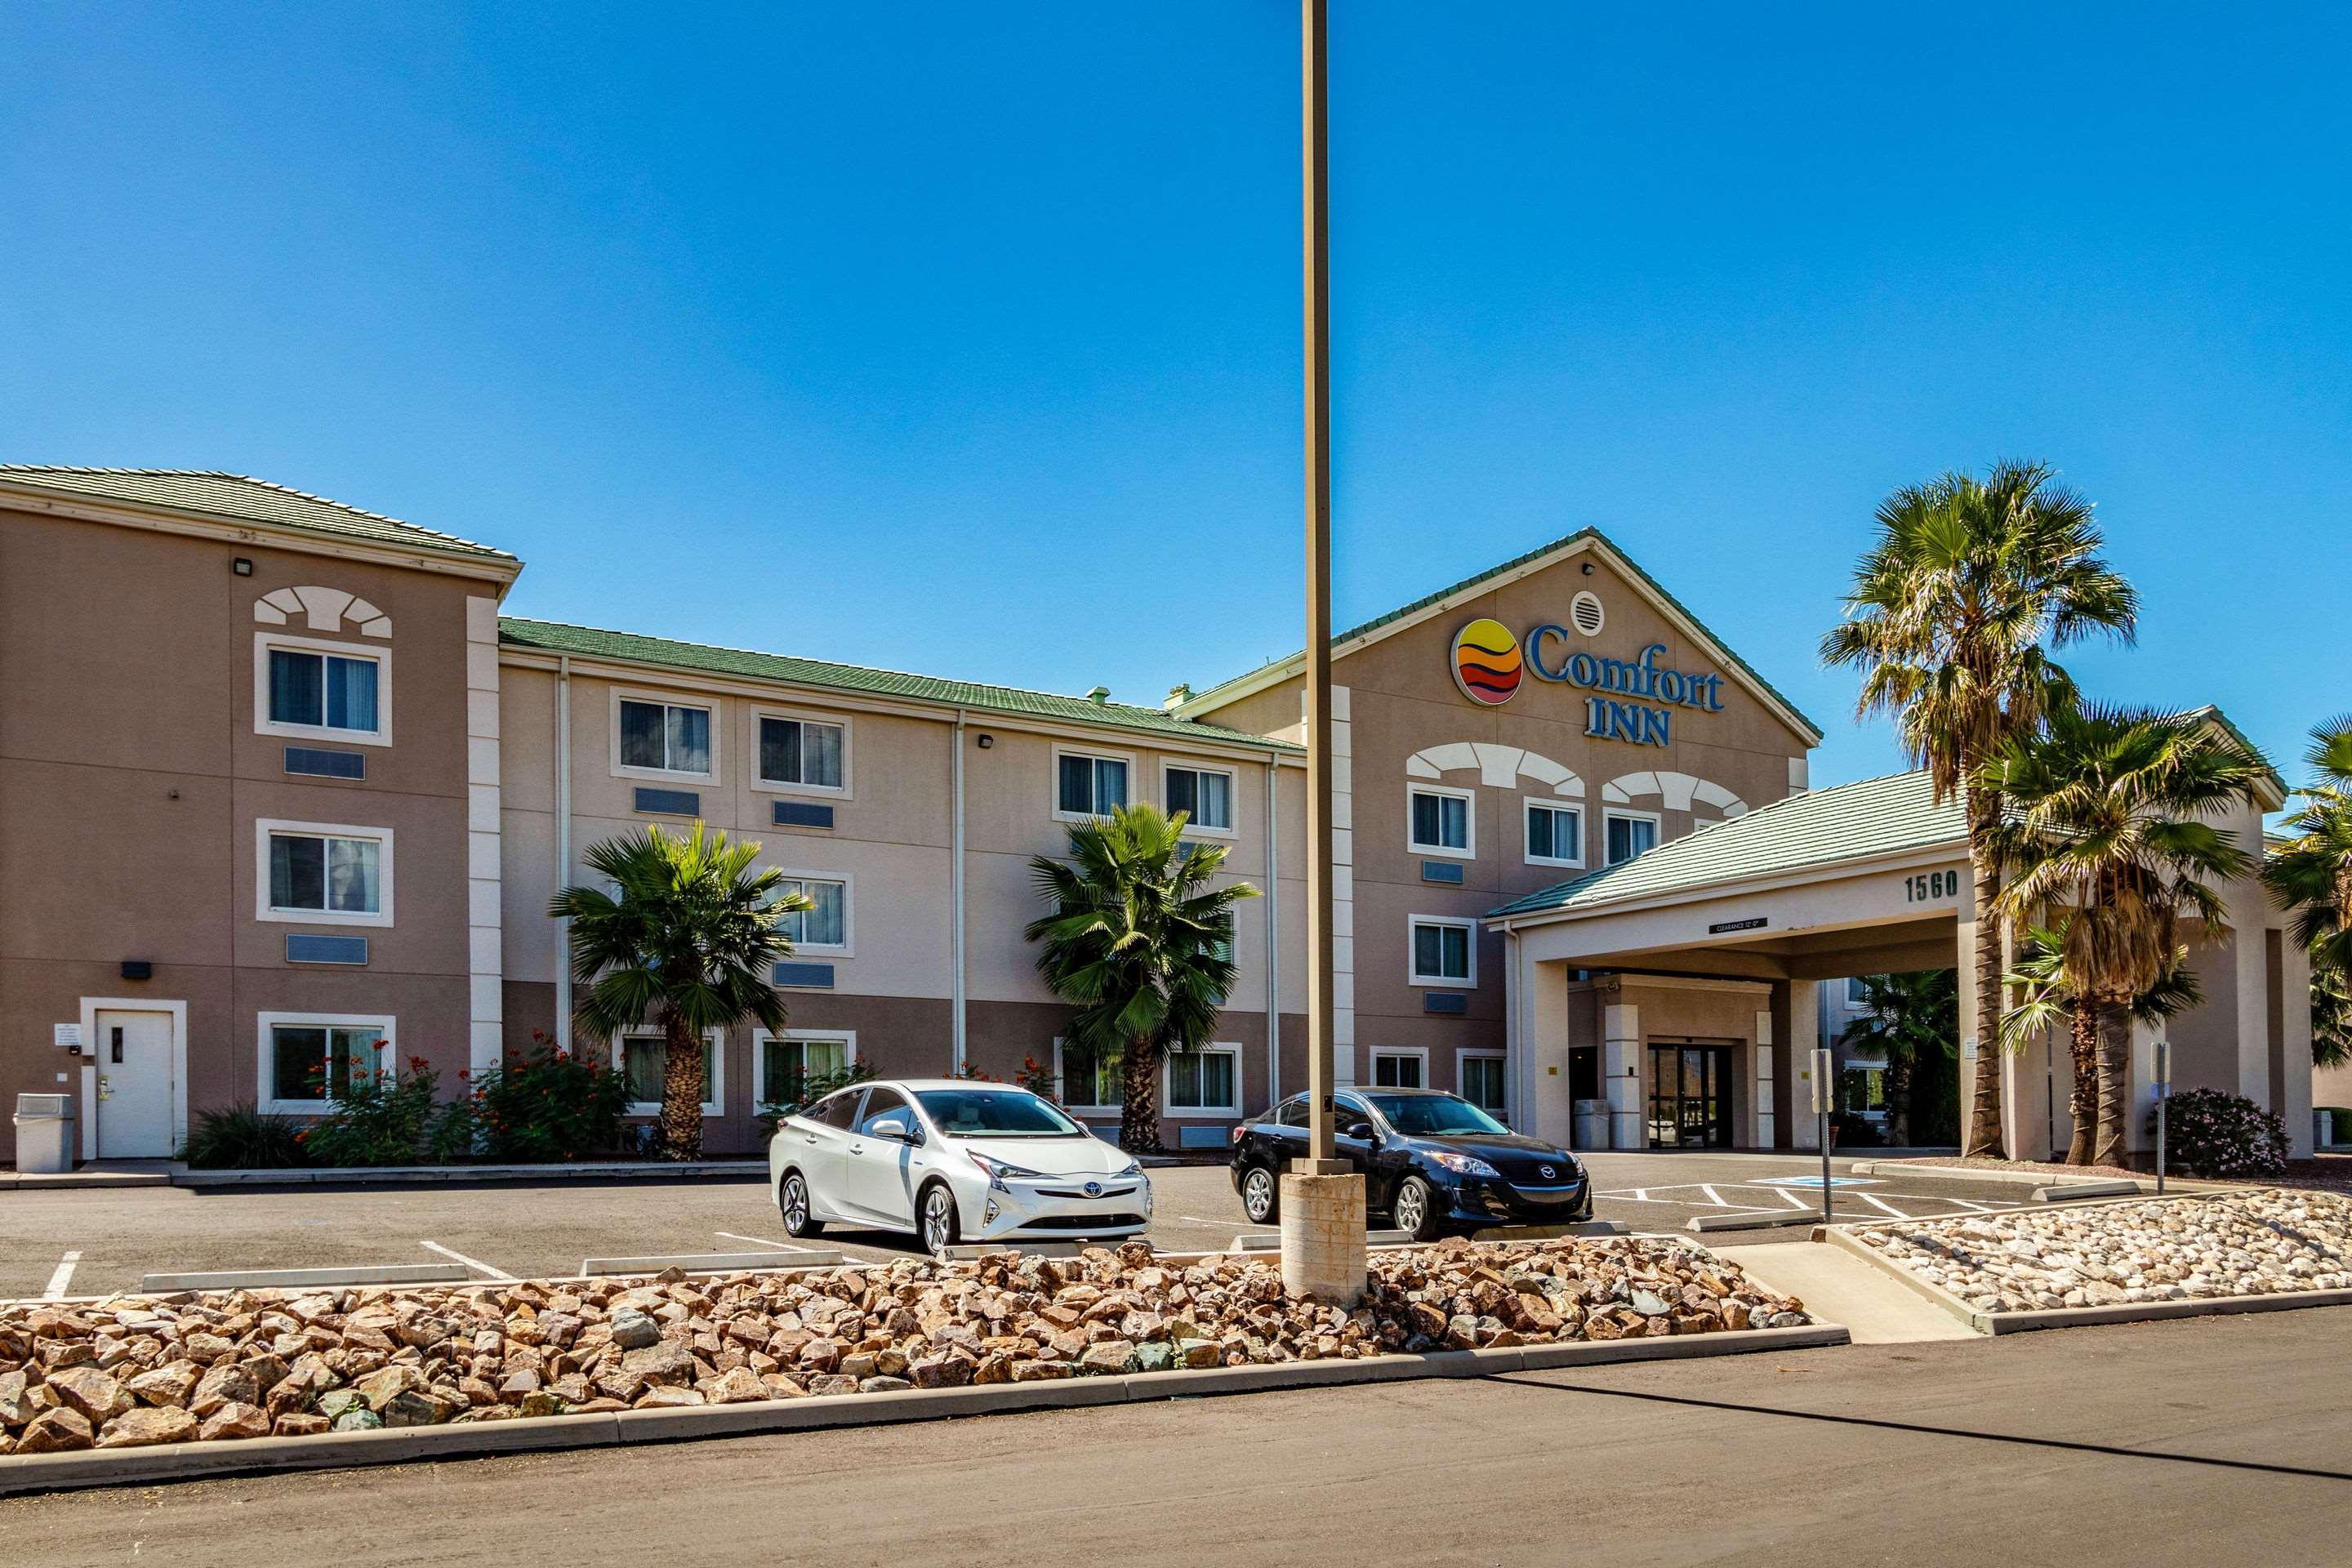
point(1690, 1096)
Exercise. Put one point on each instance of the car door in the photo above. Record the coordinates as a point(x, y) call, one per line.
point(877, 1171)
point(821, 1149)
point(1351, 1112)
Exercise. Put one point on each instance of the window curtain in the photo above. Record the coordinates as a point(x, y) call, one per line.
point(351, 694)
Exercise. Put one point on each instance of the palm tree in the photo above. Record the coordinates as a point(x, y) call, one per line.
point(1954, 611)
point(1907, 1018)
point(2044, 1002)
point(2331, 1017)
point(2110, 822)
point(687, 939)
point(2311, 874)
point(1139, 943)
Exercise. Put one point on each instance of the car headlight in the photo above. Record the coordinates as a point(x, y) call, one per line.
point(996, 1171)
point(1466, 1165)
point(1134, 1168)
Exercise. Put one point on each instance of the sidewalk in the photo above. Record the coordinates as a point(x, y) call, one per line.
point(1839, 1288)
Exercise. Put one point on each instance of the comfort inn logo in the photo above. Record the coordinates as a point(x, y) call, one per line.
point(1490, 661)
point(1487, 663)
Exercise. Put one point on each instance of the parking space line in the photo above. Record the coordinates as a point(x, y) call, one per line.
point(1882, 1204)
point(763, 1241)
point(1791, 1199)
point(1712, 1197)
point(61, 1278)
point(473, 1263)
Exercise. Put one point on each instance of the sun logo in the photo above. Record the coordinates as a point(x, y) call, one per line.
point(1487, 662)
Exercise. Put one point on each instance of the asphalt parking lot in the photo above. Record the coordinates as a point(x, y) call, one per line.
point(90, 1241)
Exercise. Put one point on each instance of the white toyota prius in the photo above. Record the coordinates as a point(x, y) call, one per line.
point(951, 1160)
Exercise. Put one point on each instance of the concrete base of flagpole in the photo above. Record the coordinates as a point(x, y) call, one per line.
point(1323, 1240)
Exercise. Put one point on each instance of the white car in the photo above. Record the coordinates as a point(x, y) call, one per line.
point(951, 1160)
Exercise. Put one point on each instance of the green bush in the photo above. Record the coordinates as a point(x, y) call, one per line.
point(2209, 1133)
point(240, 1138)
point(550, 1106)
point(392, 1118)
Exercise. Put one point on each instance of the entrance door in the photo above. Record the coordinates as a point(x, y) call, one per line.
point(134, 1086)
point(1690, 1095)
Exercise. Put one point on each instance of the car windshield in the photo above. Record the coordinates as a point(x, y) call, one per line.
point(1433, 1115)
point(996, 1113)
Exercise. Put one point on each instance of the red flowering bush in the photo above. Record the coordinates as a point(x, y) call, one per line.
point(550, 1106)
point(391, 1117)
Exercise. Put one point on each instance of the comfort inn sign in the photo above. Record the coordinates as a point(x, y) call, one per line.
point(1641, 697)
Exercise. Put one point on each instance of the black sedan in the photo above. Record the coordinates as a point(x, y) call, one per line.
point(1432, 1163)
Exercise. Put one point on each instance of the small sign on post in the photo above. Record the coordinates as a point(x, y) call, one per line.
point(1824, 1101)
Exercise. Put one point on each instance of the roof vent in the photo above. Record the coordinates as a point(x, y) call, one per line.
point(1585, 610)
point(1098, 696)
point(1178, 695)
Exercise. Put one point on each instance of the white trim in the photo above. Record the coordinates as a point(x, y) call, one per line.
point(1610, 813)
point(714, 1106)
point(1412, 924)
point(265, 1021)
point(841, 722)
point(710, 705)
point(266, 827)
point(1193, 829)
point(1053, 780)
point(91, 1006)
point(1530, 805)
point(848, 946)
point(1170, 1111)
point(1485, 1053)
point(381, 656)
point(1420, 1054)
point(760, 1039)
point(1061, 1090)
point(1469, 852)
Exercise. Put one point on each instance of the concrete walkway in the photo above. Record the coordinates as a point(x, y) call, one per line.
point(1840, 1288)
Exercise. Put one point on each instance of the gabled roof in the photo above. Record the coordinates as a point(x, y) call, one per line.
point(1867, 820)
point(238, 498)
point(629, 647)
point(1525, 565)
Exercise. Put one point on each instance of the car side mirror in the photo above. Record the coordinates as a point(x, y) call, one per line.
point(1361, 1130)
point(891, 1127)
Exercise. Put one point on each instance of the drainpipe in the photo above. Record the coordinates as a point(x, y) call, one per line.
point(955, 900)
point(1272, 937)
point(563, 848)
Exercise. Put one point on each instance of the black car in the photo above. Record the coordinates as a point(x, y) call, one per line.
point(1432, 1163)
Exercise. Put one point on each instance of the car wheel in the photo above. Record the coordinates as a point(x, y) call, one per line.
point(936, 1219)
point(1261, 1195)
point(1414, 1209)
point(792, 1203)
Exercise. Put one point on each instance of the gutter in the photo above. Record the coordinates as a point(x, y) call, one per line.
point(957, 1039)
point(564, 848)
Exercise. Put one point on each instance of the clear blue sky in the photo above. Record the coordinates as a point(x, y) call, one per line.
point(964, 339)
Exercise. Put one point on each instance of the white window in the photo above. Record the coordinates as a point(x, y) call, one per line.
point(802, 755)
point(657, 736)
point(640, 1058)
point(1089, 1079)
point(796, 1066)
point(318, 873)
point(1555, 834)
point(1400, 1069)
point(1206, 1082)
point(1478, 1078)
point(309, 1060)
point(1207, 794)
point(1630, 834)
point(1441, 822)
point(1856, 994)
point(1445, 951)
point(1087, 784)
point(305, 689)
point(823, 926)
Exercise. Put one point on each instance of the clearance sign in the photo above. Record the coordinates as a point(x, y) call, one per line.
point(1633, 699)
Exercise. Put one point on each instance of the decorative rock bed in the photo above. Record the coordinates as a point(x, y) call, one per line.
point(2262, 1242)
point(133, 1371)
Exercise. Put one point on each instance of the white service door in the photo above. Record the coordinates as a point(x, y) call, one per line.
point(134, 1086)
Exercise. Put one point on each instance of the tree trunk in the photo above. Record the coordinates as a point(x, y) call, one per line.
point(1138, 1111)
point(1984, 1131)
point(1898, 1098)
point(2082, 1100)
point(2114, 1083)
point(681, 1112)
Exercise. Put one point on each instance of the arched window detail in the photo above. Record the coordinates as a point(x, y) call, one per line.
point(323, 610)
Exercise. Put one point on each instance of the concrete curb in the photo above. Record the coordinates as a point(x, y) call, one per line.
point(22, 1474)
point(2036, 1178)
point(1768, 1220)
point(461, 1176)
point(773, 1262)
point(2073, 1192)
point(300, 1279)
point(11, 1182)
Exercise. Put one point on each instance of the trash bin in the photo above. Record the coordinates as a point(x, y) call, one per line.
point(1593, 1124)
point(43, 1133)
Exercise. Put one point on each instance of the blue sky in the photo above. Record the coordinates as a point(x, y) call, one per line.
point(964, 339)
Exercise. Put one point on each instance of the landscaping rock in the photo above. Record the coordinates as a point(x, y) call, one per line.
point(361, 1419)
point(89, 1393)
point(56, 1431)
point(144, 1426)
point(632, 1330)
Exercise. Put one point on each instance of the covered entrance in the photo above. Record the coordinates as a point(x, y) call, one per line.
point(1690, 1094)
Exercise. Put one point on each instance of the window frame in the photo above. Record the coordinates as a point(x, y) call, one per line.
point(848, 880)
point(713, 705)
point(1413, 951)
point(1095, 753)
point(1612, 813)
point(265, 1065)
point(1193, 828)
point(265, 828)
point(262, 724)
point(1465, 1054)
point(1469, 850)
point(1529, 806)
point(761, 785)
point(1170, 1111)
point(1061, 1091)
point(762, 1038)
point(1420, 1054)
point(714, 1106)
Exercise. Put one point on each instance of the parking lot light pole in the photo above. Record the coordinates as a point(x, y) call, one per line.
point(1824, 1090)
point(1322, 1197)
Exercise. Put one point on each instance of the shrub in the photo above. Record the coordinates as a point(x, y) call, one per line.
point(240, 1138)
point(2209, 1133)
point(392, 1118)
point(550, 1106)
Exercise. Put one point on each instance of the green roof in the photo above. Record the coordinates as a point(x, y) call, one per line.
point(241, 499)
point(589, 642)
point(1820, 828)
point(1513, 565)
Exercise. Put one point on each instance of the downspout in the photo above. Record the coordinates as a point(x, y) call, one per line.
point(1273, 936)
point(955, 900)
point(563, 848)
